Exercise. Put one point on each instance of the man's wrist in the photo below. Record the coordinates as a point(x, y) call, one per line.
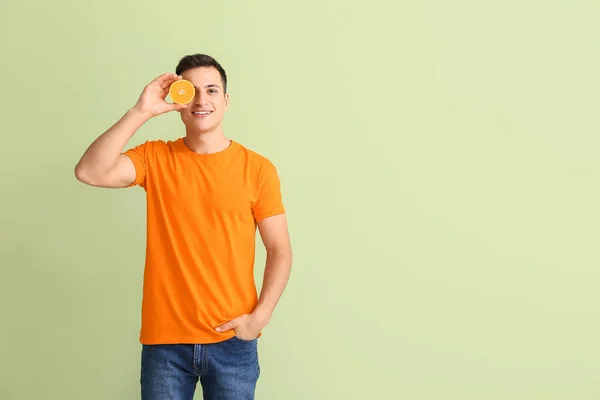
point(262, 314)
point(140, 115)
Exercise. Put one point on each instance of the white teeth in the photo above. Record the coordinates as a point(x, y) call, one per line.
point(201, 112)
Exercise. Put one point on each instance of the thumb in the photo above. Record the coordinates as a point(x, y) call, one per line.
point(178, 107)
point(227, 326)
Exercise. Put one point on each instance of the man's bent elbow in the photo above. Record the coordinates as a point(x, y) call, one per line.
point(83, 176)
point(80, 174)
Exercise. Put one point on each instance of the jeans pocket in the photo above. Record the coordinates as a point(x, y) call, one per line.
point(239, 339)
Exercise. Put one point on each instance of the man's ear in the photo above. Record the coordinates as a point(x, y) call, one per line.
point(226, 100)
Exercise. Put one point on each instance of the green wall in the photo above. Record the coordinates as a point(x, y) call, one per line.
point(440, 166)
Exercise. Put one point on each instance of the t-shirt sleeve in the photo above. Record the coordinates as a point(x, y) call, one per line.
point(137, 155)
point(269, 199)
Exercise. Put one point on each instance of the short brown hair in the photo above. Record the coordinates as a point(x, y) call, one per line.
point(201, 60)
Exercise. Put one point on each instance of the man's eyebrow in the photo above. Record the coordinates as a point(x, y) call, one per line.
point(209, 86)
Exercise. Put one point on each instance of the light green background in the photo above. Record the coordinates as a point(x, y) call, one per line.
point(440, 165)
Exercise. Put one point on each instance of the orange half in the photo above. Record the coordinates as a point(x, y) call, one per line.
point(182, 91)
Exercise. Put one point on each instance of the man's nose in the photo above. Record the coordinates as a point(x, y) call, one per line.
point(199, 98)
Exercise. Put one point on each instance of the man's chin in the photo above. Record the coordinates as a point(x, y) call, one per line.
point(200, 128)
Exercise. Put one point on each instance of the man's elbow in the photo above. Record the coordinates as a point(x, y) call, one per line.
point(83, 176)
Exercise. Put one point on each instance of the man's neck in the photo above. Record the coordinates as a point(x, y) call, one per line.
point(206, 143)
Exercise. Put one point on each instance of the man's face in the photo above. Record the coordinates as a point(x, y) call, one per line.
point(205, 112)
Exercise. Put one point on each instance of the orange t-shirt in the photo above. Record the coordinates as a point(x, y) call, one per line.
point(202, 211)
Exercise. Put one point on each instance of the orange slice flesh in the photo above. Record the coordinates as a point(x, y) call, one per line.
point(182, 91)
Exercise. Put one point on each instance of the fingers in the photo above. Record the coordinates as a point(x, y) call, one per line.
point(177, 107)
point(166, 78)
point(162, 78)
point(226, 326)
point(169, 81)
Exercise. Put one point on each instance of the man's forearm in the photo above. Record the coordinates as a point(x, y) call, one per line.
point(277, 272)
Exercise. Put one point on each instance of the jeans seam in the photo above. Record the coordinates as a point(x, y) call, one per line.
point(205, 359)
point(195, 357)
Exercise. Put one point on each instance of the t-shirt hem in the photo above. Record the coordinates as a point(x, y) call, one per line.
point(189, 340)
point(137, 165)
point(271, 214)
point(185, 340)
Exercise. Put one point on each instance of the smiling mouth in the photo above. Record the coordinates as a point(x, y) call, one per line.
point(201, 113)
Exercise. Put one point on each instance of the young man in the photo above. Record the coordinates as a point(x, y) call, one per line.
point(206, 196)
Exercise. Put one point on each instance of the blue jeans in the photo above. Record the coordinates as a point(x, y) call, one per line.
point(226, 370)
